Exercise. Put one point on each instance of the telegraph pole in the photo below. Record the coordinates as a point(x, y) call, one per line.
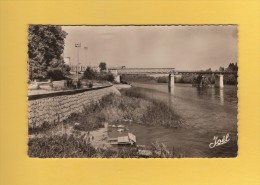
point(77, 45)
point(86, 48)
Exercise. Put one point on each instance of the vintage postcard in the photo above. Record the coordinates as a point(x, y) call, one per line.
point(132, 91)
point(129, 92)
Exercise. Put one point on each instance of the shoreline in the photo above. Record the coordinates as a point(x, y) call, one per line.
point(90, 126)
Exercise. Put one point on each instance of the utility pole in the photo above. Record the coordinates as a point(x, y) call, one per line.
point(77, 45)
point(86, 48)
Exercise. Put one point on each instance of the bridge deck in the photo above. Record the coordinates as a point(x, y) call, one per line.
point(145, 71)
point(167, 71)
point(156, 71)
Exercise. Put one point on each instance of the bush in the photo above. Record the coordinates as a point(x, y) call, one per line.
point(106, 77)
point(90, 84)
point(137, 78)
point(74, 84)
point(79, 84)
point(56, 74)
point(89, 74)
point(162, 79)
point(230, 79)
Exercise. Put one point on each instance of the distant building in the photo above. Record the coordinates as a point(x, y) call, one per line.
point(66, 60)
point(113, 70)
point(96, 69)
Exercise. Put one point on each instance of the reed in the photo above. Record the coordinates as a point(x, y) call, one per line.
point(75, 146)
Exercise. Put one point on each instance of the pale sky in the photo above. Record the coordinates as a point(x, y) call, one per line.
point(179, 47)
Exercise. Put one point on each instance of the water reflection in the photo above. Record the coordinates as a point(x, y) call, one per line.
point(221, 96)
point(208, 111)
point(170, 90)
point(213, 94)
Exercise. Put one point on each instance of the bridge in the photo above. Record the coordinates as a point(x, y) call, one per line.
point(117, 71)
point(165, 71)
point(171, 72)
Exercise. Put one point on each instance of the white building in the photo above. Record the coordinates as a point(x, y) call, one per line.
point(66, 60)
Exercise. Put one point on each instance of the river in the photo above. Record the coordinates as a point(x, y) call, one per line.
point(208, 112)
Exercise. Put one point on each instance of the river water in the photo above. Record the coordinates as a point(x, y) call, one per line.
point(208, 112)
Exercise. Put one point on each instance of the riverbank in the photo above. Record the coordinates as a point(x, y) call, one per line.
point(86, 134)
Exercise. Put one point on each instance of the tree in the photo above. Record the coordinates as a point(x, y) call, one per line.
point(57, 70)
point(231, 78)
point(232, 67)
point(221, 69)
point(102, 66)
point(89, 74)
point(45, 47)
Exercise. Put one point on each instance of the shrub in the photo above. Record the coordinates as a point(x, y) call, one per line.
point(56, 74)
point(105, 76)
point(162, 79)
point(90, 84)
point(89, 74)
point(79, 84)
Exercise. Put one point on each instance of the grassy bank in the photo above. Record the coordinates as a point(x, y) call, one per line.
point(73, 146)
point(157, 112)
point(70, 137)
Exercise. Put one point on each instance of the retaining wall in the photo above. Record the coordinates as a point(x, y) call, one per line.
point(58, 106)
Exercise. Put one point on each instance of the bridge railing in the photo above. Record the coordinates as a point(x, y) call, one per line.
point(168, 71)
point(156, 71)
point(204, 72)
point(145, 71)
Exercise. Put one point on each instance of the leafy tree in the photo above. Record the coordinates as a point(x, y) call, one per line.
point(89, 74)
point(221, 69)
point(102, 66)
point(45, 47)
point(57, 70)
point(231, 78)
point(232, 67)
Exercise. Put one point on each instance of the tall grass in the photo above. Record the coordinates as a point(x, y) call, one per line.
point(158, 112)
point(137, 107)
point(72, 146)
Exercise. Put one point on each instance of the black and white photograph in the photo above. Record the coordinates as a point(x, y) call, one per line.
point(132, 91)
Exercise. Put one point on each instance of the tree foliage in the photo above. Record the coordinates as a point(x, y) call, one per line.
point(102, 66)
point(89, 74)
point(221, 69)
point(231, 79)
point(45, 48)
point(232, 67)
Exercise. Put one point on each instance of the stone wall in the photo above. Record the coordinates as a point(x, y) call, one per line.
point(54, 107)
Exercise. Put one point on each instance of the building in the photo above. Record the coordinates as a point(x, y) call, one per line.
point(66, 60)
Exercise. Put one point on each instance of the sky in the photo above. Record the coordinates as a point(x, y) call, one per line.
point(179, 47)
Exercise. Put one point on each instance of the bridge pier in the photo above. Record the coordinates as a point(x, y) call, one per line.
point(117, 78)
point(219, 81)
point(171, 81)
